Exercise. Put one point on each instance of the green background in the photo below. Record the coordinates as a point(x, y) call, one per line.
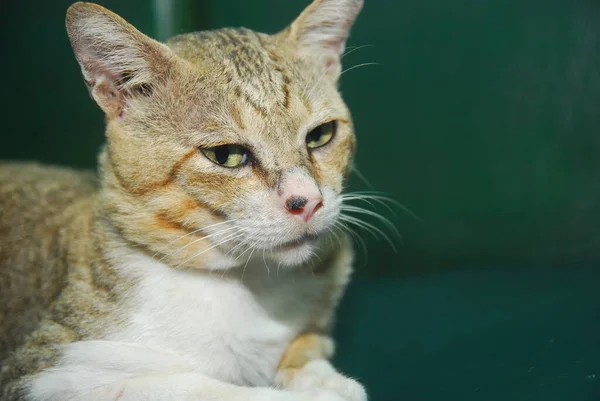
point(482, 118)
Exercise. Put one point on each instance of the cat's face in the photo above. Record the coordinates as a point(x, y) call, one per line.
point(222, 144)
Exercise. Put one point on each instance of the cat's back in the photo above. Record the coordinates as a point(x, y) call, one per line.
point(36, 183)
point(38, 208)
point(35, 198)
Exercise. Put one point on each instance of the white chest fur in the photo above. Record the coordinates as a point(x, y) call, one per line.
point(231, 327)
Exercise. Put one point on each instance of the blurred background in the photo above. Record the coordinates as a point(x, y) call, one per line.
point(481, 117)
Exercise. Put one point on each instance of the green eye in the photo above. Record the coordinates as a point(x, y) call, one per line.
point(227, 155)
point(321, 135)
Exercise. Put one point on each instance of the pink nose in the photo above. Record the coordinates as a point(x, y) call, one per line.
point(303, 207)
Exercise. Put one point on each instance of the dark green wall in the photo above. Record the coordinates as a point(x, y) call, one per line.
point(481, 117)
point(46, 110)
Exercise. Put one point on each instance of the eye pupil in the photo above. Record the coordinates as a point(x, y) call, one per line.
point(315, 135)
point(222, 154)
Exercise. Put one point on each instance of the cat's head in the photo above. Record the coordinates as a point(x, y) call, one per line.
point(222, 142)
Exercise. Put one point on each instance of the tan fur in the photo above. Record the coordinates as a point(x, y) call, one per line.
point(57, 281)
point(305, 348)
point(55, 287)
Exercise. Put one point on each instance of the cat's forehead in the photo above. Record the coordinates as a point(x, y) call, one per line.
point(244, 47)
point(257, 75)
point(258, 68)
point(239, 54)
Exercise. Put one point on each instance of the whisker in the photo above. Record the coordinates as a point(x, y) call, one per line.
point(357, 66)
point(227, 239)
point(361, 176)
point(381, 199)
point(337, 237)
point(388, 223)
point(197, 240)
point(194, 232)
point(242, 243)
point(370, 228)
point(374, 231)
point(266, 266)
point(367, 199)
point(357, 238)
point(246, 265)
point(307, 95)
point(352, 49)
point(316, 255)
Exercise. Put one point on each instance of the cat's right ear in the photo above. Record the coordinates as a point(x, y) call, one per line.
point(117, 61)
point(320, 32)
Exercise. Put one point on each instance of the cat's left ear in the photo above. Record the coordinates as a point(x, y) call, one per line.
point(118, 62)
point(320, 32)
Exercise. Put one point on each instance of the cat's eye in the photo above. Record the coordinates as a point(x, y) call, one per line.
point(321, 135)
point(227, 155)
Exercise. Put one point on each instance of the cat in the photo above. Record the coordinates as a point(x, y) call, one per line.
point(203, 262)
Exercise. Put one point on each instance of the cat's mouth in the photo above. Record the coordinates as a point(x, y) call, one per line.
point(304, 239)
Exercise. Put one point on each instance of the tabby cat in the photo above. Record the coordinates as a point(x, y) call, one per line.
point(203, 262)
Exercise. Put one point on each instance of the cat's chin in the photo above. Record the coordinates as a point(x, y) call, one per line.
point(294, 253)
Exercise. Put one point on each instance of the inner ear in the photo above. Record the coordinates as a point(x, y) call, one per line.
point(118, 62)
point(107, 95)
point(111, 91)
point(112, 94)
point(130, 88)
point(145, 90)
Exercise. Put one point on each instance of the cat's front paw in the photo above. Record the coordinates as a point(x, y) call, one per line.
point(320, 394)
point(319, 374)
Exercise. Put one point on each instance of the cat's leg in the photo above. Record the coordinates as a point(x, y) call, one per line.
point(176, 387)
point(305, 365)
point(114, 371)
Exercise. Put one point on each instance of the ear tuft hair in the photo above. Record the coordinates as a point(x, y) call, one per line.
point(117, 61)
point(322, 30)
